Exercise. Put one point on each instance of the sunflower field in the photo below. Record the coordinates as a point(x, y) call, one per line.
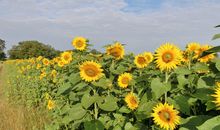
point(83, 89)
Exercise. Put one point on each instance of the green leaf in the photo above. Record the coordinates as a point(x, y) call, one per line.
point(182, 71)
point(210, 124)
point(66, 87)
point(74, 78)
point(129, 126)
point(182, 102)
point(216, 36)
point(206, 82)
point(103, 83)
point(94, 125)
point(211, 50)
point(88, 100)
point(108, 104)
point(77, 112)
point(144, 110)
point(217, 65)
point(190, 123)
point(124, 109)
point(203, 94)
point(80, 86)
point(210, 105)
point(119, 120)
point(200, 67)
point(158, 88)
point(182, 81)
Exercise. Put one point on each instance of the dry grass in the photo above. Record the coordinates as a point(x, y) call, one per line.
point(17, 117)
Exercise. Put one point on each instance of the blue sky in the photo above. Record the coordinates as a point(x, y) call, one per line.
point(141, 5)
point(143, 25)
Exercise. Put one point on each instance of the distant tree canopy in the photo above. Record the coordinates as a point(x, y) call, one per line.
point(29, 49)
point(2, 47)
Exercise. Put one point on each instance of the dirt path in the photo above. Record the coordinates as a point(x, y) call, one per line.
point(8, 112)
point(17, 117)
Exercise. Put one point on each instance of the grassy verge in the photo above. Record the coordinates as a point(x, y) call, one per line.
point(15, 116)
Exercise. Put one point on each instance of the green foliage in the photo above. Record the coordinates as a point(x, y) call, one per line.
point(2, 47)
point(101, 104)
point(216, 36)
point(29, 49)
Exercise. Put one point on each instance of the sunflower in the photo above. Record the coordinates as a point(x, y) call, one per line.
point(124, 80)
point(39, 58)
point(80, 43)
point(61, 63)
point(43, 74)
point(165, 116)
point(168, 56)
point(149, 56)
point(46, 62)
point(38, 66)
point(116, 50)
point(193, 46)
point(53, 73)
point(50, 104)
point(141, 61)
point(217, 95)
point(204, 58)
point(132, 101)
point(90, 71)
point(66, 57)
point(218, 84)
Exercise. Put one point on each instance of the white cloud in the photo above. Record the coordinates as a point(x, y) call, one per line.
point(57, 22)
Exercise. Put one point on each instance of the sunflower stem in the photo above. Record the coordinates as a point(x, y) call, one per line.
point(96, 111)
point(95, 108)
point(190, 59)
point(166, 81)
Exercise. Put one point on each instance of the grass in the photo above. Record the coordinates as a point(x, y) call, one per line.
point(18, 117)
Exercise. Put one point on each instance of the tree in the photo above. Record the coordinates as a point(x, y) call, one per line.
point(2, 47)
point(29, 49)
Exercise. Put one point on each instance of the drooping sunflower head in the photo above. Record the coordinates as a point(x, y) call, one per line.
point(116, 50)
point(80, 43)
point(168, 56)
point(207, 57)
point(217, 95)
point(192, 47)
point(90, 71)
point(46, 62)
point(66, 57)
point(132, 100)
point(165, 116)
point(124, 80)
point(50, 104)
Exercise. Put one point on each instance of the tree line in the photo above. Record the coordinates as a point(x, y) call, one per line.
point(28, 49)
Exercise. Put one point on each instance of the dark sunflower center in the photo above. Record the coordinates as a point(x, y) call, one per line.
point(125, 80)
point(116, 52)
point(91, 72)
point(79, 43)
point(165, 116)
point(66, 57)
point(167, 57)
point(141, 60)
point(133, 101)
